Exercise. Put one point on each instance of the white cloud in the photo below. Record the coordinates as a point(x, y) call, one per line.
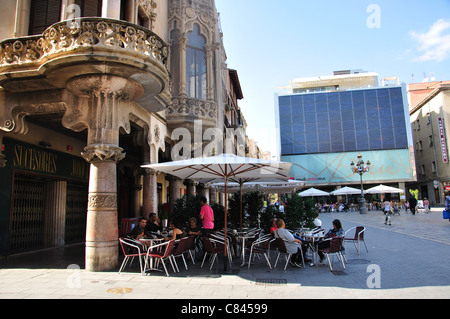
point(435, 43)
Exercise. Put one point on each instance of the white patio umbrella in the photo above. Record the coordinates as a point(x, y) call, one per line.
point(279, 187)
point(383, 189)
point(262, 186)
point(226, 168)
point(313, 192)
point(233, 187)
point(346, 191)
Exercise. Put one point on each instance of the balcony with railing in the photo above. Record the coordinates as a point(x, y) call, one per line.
point(86, 46)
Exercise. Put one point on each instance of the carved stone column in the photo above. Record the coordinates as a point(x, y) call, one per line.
point(191, 187)
point(212, 195)
point(209, 72)
point(205, 191)
point(102, 225)
point(174, 191)
point(150, 189)
point(137, 188)
point(100, 106)
point(183, 75)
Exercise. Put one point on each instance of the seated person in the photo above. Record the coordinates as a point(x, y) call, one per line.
point(193, 229)
point(318, 223)
point(274, 226)
point(177, 233)
point(293, 245)
point(153, 225)
point(336, 231)
point(137, 234)
point(140, 226)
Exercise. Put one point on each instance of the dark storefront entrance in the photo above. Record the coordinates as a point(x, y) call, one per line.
point(43, 198)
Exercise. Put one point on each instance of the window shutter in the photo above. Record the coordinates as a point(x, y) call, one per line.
point(90, 8)
point(44, 13)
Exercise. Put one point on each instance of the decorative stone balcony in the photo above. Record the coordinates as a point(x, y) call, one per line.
point(184, 111)
point(86, 46)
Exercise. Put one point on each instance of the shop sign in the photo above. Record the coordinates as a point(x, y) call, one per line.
point(443, 140)
point(27, 157)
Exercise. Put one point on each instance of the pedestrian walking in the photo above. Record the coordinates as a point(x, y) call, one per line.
point(426, 205)
point(387, 212)
point(447, 203)
point(413, 204)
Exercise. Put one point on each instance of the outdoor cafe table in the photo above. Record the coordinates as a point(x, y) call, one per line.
point(152, 242)
point(313, 242)
point(243, 236)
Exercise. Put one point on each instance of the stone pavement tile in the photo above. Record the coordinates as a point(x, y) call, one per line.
point(200, 292)
point(230, 292)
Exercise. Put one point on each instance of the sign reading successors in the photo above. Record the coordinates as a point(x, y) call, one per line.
point(443, 140)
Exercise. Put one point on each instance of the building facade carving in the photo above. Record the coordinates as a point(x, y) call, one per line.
point(101, 94)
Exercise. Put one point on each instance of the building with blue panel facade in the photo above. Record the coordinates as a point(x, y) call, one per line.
point(324, 123)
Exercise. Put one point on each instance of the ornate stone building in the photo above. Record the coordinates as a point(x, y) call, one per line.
point(89, 91)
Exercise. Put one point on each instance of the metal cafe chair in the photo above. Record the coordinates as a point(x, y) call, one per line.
point(261, 246)
point(334, 249)
point(131, 248)
point(190, 247)
point(282, 250)
point(159, 253)
point(211, 249)
point(357, 237)
point(179, 251)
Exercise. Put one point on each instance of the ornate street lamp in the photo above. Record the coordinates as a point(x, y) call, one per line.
point(361, 168)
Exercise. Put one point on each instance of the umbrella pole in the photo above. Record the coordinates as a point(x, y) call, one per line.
point(225, 262)
point(240, 191)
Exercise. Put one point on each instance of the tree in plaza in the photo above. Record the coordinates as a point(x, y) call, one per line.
point(299, 212)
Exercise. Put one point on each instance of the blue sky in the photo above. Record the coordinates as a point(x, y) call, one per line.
point(271, 42)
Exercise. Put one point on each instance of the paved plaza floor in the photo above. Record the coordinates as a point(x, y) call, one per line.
point(409, 259)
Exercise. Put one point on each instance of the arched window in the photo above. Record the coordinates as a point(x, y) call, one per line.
point(196, 64)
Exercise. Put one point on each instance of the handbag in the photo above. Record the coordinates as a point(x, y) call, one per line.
point(446, 214)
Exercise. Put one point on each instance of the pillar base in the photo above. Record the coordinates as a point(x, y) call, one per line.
point(102, 256)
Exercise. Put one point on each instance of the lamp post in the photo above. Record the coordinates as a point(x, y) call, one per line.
point(361, 168)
